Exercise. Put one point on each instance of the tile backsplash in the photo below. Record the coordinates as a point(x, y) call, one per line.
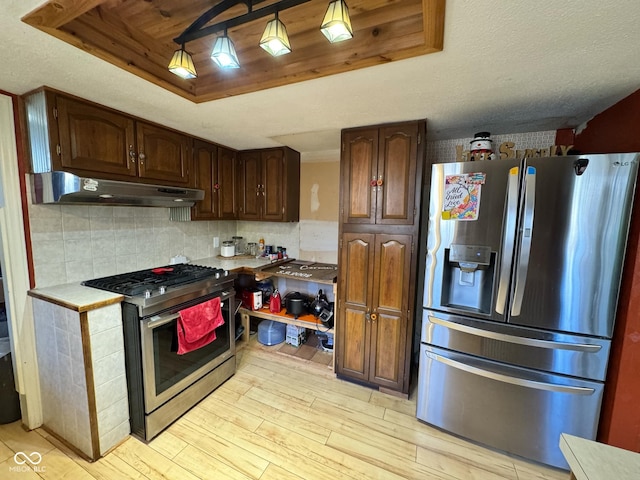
point(73, 243)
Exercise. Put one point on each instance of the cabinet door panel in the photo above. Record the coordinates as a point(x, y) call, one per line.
point(227, 205)
point(95, 140)
point(205, 162)
point(359, 168)
point(390, 303)
point(250, 175)
point(162, 154)
point(387, 351)
point(272, 175)
point(396, 197)
point(353, 358)
point(353, 329)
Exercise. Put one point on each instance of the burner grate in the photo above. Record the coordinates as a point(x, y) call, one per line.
point(139, 282)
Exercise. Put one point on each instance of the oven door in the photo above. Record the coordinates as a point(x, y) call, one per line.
point(165, 372)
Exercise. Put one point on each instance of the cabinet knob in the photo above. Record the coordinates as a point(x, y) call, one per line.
point(132, 153)
point(142, 156)
point(374, 317)
point(216, 186)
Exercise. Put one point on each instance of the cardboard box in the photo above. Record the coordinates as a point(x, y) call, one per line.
point(296, 336)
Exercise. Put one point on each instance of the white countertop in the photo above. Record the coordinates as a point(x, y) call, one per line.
point(76, 297)
point(591, 460)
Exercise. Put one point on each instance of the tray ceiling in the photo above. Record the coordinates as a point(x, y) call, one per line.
point(138, 37)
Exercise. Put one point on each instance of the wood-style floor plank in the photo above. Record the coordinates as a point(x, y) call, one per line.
point(8, 470)
point(106, 468)
point(150, 463)
point(274, 472)
point(282, 418)
point(348, 466)
point(198, 428)
point(5, 452)
point(207, 466)
point(168, 445)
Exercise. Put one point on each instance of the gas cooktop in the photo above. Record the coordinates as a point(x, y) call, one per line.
point(156, 281)
point(162, 288)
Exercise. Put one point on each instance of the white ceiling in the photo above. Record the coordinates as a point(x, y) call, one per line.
point(507, 67)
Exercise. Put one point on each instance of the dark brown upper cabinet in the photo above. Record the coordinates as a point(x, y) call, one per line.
point(379, 174)
point(268, 185)
point(90, 140)
point(215, 174)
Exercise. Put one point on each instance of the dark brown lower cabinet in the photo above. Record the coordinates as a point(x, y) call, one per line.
point(374, 318)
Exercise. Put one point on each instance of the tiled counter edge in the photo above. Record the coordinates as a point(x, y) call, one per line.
point(80, 350)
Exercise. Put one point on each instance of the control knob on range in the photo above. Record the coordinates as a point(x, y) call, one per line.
point(147, 294)
point(217, 274)
point(163, 289)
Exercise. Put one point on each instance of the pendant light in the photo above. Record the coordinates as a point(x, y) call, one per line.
point(224, 53)
point(275, 39)
point(336, 25)
point(181, 64)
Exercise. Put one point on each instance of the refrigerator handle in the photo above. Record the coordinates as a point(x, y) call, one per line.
point(508, 240)
point(525, 239)
point(530, 342)
point(522, 382)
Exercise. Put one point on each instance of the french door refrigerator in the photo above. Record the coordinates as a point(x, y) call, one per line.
point(522, 273)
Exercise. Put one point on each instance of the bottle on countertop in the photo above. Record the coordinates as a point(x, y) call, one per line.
point(261, 247)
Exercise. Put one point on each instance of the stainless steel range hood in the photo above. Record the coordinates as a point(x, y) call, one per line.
point(67, 188)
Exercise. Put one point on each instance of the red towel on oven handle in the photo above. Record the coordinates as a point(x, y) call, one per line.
point(197, 325)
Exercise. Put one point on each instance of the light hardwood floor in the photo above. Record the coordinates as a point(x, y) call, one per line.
point(280, 418)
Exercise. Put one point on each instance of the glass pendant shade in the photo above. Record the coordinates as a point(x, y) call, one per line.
point(275, 39)
point(224, 53)
point(336, 25)
point(182, 64)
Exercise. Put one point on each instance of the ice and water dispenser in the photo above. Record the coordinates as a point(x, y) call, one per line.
point(468, 277)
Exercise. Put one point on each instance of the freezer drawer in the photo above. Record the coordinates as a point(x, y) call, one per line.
point(516, 410)
point(575, 355)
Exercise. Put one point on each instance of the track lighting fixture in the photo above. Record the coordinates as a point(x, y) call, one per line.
point(336, 26)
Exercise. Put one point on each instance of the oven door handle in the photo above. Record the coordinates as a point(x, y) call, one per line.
point(156, 322)
point(162, 321)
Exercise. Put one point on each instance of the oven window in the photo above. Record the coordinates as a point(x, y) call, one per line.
point(170, 367)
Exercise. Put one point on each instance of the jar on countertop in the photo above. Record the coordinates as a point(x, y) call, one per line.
point(239, 244)
point(228, 248)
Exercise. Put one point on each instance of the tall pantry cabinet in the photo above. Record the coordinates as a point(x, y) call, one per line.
point(380, 196)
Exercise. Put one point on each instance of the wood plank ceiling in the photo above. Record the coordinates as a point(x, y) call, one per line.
point(138, 37)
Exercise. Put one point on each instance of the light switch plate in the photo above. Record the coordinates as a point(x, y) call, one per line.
point(216, 242)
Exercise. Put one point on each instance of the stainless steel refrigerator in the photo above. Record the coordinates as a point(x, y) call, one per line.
point(522, 274)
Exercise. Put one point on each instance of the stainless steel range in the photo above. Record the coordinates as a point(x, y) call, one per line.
point(163, 384)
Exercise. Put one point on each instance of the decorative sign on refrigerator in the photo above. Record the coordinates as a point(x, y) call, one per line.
point(462, 196)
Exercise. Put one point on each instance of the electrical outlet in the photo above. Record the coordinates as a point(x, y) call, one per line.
point(216, 242)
